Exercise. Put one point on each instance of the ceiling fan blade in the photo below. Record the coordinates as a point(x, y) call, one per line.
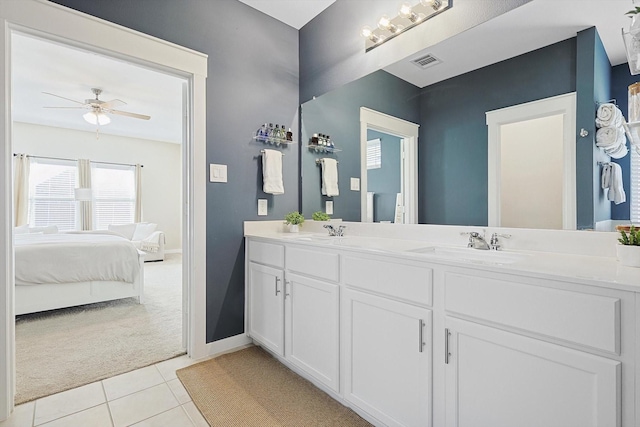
point(68, 99)
point(134, 115)
point(67, 108)
point(113, 103)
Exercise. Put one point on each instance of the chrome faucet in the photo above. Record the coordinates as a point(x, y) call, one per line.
point(476, 240)
point(333, 231)
point(495, 243)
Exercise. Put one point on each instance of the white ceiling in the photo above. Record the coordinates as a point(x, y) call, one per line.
point(534, 25)
point(41, 66)
point(295, 13)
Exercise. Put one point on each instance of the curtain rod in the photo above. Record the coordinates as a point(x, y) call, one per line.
point(73, 160)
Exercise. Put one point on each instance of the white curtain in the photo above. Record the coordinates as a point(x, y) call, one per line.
point(21, 189)
point(86, 207)
point(138, 212)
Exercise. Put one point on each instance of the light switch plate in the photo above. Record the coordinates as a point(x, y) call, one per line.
point(329, 207)
point(355, 184)
point(217, 173)
point(262, 207)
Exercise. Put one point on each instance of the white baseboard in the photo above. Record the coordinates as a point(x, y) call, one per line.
point(227, 345)
point(173, 251)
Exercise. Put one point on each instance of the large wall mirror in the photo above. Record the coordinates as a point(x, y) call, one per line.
point(523, 56)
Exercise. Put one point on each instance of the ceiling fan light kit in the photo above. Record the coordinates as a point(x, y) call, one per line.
point(96, 118)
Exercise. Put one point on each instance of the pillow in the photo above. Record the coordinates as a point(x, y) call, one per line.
point(51, 229)
point(23, 229)
point(144, 230)
point(125, 230)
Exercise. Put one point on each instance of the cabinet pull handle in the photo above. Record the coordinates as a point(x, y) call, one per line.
point(277, 281)
point(447, 334)
point(421, 342)
point(286, 283)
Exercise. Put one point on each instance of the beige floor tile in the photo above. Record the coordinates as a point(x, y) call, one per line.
point(131, 382)
point(195, 415)
point(22, 416)
point(176, 417)
point(68, 402)
point(142, 405)
point(168, 367)
point(179, 391)
point(95, 417)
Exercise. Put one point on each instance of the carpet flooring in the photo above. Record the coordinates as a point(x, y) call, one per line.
point(63, 349)
point(250, 388)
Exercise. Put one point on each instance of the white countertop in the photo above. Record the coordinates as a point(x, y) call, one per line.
point(601, 271)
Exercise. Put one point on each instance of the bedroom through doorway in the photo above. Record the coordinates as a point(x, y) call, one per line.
point(98, 207)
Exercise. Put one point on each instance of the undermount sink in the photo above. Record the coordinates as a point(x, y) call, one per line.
point(473, 255)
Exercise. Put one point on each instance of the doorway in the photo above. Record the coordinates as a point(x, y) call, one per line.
point(520, 139)
point(389, 169)
point(56, 23)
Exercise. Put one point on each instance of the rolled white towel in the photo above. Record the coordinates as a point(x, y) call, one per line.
point(608, 137)
point(618, 153)
point(609, 115)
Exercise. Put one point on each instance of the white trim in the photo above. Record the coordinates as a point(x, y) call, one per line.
point(173, 251)
point(58, 23)
point(370, 119)
point(227, 345)
point(561, 104)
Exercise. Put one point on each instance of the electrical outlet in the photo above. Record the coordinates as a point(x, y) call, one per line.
point(329, 207)
point(355, 184)
point(262, 207)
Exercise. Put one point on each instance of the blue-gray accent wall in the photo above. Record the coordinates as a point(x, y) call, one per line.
point(252, 79)
point(452, 151)
point(337, 114)
point(386, 181)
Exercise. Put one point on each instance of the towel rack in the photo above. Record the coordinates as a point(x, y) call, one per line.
point(318, 161)
point(610, 101)
point(262, 152)
point(604, 163)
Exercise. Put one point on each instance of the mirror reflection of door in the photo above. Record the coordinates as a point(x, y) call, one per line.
point(384, 177)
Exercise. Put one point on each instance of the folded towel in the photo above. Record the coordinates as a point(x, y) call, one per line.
point(272, 172)
point(330, 177)
point(609, 137)
point(618, 152)
point(612, 180)
point(609, 115)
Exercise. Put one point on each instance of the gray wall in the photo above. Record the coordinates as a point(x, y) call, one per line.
point(338, 114)
point(253, 79)
point(386, 181)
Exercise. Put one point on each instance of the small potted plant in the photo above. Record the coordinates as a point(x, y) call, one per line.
point(294, 220)
point(320, 216)
point(629, 248)
point(635, 19)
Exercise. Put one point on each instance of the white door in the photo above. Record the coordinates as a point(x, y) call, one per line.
point(311, 331)
point(499, 379)
point(266, 309)
point(387, 350)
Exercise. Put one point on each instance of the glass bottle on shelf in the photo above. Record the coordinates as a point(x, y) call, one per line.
point(289, 135)
point(270, 134)
point(329, 143)
point(261, 134)
point(283, 134)
point(315, 139)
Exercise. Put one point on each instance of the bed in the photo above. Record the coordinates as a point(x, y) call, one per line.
point(68, 269)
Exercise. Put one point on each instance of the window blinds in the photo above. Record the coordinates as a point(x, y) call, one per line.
point(635, 186)
point(114, 195)
point(51, 193)
point(374, 154)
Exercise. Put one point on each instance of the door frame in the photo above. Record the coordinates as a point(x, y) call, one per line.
point(555, 105)
point(61, 24)
point(375, 120)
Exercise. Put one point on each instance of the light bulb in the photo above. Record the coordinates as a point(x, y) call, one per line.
point(405, 10)
point(96, 118)
point(366, 31)
point(385, 24)
point(434, 4)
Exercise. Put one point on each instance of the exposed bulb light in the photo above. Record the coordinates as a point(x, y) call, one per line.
point(385, 24)
point(96, 118)
point(406, 11)
point(367, 33)
point(434, 4)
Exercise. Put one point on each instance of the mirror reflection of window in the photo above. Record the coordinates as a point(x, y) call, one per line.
point(384, 173)
point(374, 154)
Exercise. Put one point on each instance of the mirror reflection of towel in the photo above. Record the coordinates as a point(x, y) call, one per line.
point(272, 172)
point(612, 179)
point(330, 177)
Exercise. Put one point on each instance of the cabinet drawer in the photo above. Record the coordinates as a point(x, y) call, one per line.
point(410, 282)
point(311, 262)
point(580, 318)
point(266, 253)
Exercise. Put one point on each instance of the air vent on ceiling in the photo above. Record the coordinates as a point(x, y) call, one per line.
point(426, 61)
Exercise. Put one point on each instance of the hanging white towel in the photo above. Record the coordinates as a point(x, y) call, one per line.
point(612, 179)
point(329, 177)
point(272, 172)
point(609, 115)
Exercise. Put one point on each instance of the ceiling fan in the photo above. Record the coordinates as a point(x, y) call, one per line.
point(99, 109)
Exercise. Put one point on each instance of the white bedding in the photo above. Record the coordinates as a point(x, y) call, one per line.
point(74, 257)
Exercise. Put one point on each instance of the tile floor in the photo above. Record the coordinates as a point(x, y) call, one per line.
point(148, 397)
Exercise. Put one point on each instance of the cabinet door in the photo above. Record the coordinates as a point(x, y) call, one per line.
point(311, 327)
point(500, 379)
point(387, 347)
point(266, 310)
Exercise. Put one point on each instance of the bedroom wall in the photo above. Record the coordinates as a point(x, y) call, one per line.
point(161, 175)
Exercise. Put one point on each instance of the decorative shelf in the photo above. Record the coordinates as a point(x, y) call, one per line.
point(274, 141)
point(322, 148)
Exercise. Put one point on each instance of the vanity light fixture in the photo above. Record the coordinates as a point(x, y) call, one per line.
point(408, 17)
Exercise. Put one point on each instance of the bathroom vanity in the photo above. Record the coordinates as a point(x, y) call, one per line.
point(409, 327)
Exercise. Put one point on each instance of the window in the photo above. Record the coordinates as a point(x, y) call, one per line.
point(114, 194)
point(374, 154)
point(51, 193)
point(635, 185)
